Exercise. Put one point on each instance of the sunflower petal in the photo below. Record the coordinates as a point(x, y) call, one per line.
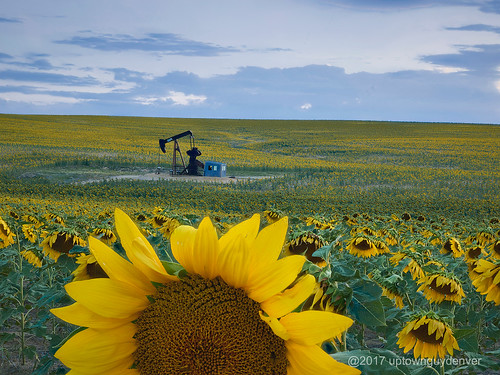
point(98, 351)
point(206, 250)
point(148, 262)
point(138, 249)
point(274, 278)
point(278, 328)
point(268, 244)
point(79, 315)
point(182, 243)
point(312, 360)
point(233, 263)
point(108, 298)
point(313, 327)
point(248, 229)
point(282, 303)
point(117, 267)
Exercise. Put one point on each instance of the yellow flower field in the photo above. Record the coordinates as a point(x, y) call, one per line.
point(370, 241)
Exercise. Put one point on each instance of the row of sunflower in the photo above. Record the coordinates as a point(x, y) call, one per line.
point(401, 283)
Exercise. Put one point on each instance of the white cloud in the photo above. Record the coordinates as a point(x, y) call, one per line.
point(39, 99)
point(176, 97)
point(306, 106)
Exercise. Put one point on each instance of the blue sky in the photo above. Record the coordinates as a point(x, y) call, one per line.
point(395, 60)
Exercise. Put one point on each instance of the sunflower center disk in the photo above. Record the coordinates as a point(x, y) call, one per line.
point(443, 289)
point(422, 333)
point(63, 244)
point(204, 327)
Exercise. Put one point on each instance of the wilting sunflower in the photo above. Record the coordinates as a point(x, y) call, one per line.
point(272, 216)
point(106, 235)
point(228, 310)
point(428, 336)
point(494, 249)
point(414, 266)
point(319, 300)
point(32, 219)
point(362, 246)
point(168, 227)
point(306, 244)
point(438, 287)
point(158, 220)
point(389, 237)
point(472, 253)
point(452, 246)
point(54, 218)
point(58, 243)
point(487, 279)
point(88, 268)
point(29, 232)
point(389, 289)
point(32, 258)
point(6, 235)
point(484, 238)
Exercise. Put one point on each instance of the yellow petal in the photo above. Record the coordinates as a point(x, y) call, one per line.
point(117, 267)
point(248, 229)
point(233, 263)
point(282, 303)
point(79, 315)
point(206, 250)
point(116, 371)
point(274, 278)
point(312, 360)
point(268, 244)
point(313, 327)
point(148, 262)
point(278, 328)
point(182, 243)
point(138, 249)
point(108, 298)
point(95, 351)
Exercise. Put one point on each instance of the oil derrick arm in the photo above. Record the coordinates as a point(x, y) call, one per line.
point(163, 142)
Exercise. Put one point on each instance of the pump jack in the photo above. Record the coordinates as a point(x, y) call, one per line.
point(193, 152)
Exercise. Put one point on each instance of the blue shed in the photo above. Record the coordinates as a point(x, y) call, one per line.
point(214, 169)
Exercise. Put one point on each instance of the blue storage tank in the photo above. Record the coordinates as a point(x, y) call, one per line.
point(214, 169)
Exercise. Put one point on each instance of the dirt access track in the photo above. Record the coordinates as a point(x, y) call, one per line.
point(168, 176)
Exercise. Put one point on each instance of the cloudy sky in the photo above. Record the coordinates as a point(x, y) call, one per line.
point(407, 60)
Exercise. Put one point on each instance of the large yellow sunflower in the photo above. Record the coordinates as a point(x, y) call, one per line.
point(6, 235)
point(428, 336)
point(438, 287)
point(229, 310)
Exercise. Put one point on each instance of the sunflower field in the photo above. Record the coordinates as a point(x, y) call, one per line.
point(356, 247)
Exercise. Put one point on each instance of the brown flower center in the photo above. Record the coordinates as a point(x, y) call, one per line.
point(363, 244)
point(474, 252)
point(63, 243)
point(422, 334)
point(202, 327)
point(442, 289)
